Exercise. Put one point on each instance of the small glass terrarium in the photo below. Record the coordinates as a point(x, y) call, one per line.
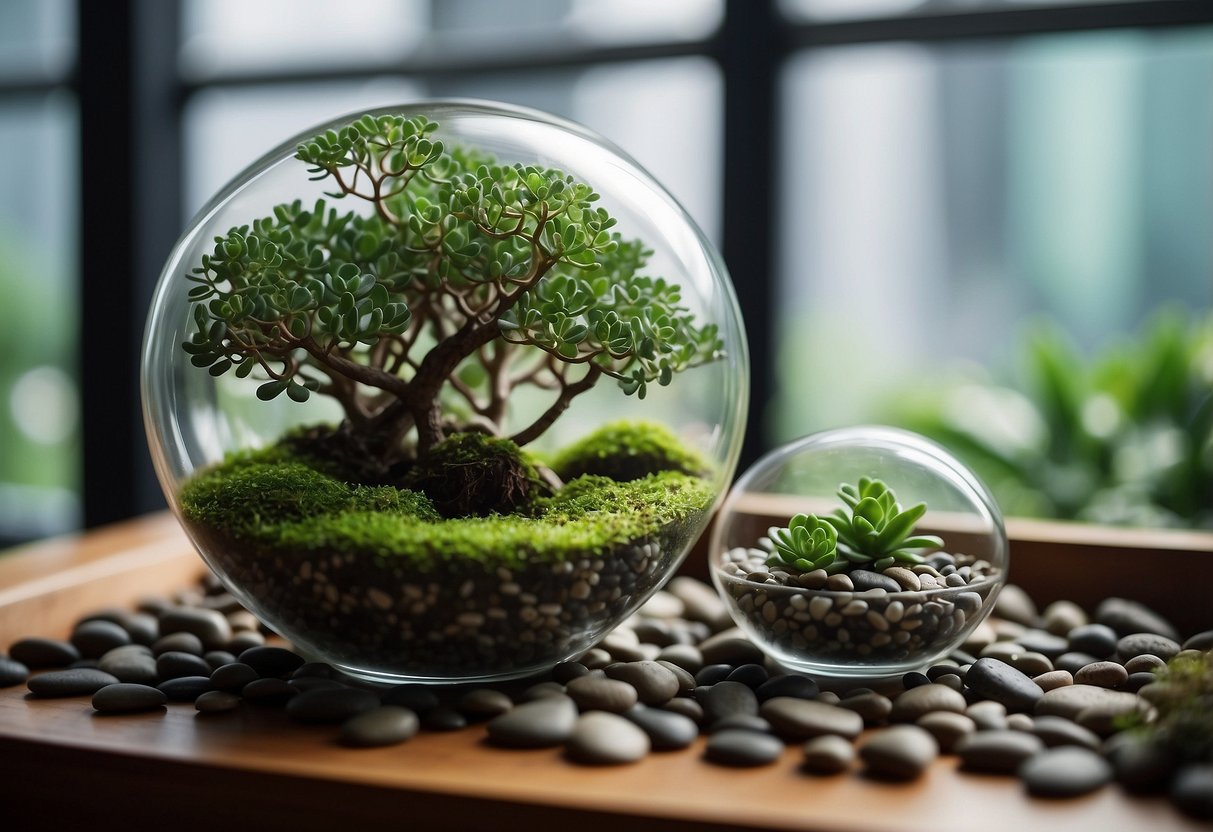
point(445, 391)
point(859, 552)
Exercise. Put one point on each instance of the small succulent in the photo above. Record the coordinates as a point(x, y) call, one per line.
point(873, 530)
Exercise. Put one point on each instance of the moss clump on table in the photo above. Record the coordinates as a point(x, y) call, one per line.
point(278, 501)
point(629, 450)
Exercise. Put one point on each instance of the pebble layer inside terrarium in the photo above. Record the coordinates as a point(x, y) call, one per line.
point(829, 605)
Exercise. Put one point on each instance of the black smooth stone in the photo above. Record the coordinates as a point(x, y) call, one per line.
point(914, 679)
point(185, 688)
point(1146, 644)
point(306, 683)
point(566, 672)
point(750, 675)
point(127, 698)
point(233, 677)
point(865, 579)
point(541, 723)
point(793, 685)
point(1200, 641)
point(1042, 641)
point(174, 665)
point(12, 672)
point(740, 722)
point(385, 725)
point(484, 703)
point(1127, 617)
point(417, 698)
point(272, 662)
point(1067, 771)
point(96, 638)
point(38, 653)
point(1143, 766)
point(316, 670)
point(1072, 662)
point(181, 642)
point(728, 698)
point(743, 749)
point(710, 674)
point(935, 671)
point(330, 705)
point(1093, 639)
point(79, 681)
point(210, 626)
point(997, 680)
point(668, 731)
point(272, 692)
point(1192, 790)
point(443, 718)
point(218, 658)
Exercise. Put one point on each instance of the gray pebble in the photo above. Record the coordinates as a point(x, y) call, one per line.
point(802, 719)
point(947, 727)
point(483, 703)
point(1142, 766)
point(700, 602)
point(142, 628)
point(12, 672)
point(902, 752)
point(38, 653)
point(1021, 722)
point(271, 692)
point(864, 579)
point(566, 672)
point(792, 684)
point(1073, 662)
point(93, 639)
point(242, 641)
point(1201, 641)
point(1146, 663)
point(332, 705)
point(185, 688)
point(999, 681)
point(72, 682)
point(1015, 605)
point(743, 749)
point(272, 662)
point(232, 677)
point(1055, 731)
point(601, 738)
point(1031, 663)
point(1067, 771)
point(182, 642)
point(1062, 617)
point(174, 665)
point(539, 724)
point(1053, 679)
point(686, 656)
point(1070, 701)
point(1104, 718)
point(828, 754)
point(621, 647)
point(218, 658)
point(731, 650)
point(595, 658)
point(1094, 639)
point(654, 683)
point(594, 693)
point(988, 715)
point(914, 703)
point(727, 698)
point(685, 706)
point(1146, 644)
point(1127, 617)
point(1192, 790)
point(686, 681)
point(385, 725)
point(1000, 752)
point(741, 722)
point(210, 626)
point(668, 731)
point(216, 702)
point(1043, 642)
point(750, 675)
point(126, 698)
point(1102, 674)
point(710, 674)
point(873, 707)
point(827, 697)
point(443, 718)
point(541, 690)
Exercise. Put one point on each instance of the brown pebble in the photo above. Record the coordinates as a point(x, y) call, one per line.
point(1144, 663)
point(1102, 674)
point(1054, 679)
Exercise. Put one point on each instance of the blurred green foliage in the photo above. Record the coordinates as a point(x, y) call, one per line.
point(1125, 437)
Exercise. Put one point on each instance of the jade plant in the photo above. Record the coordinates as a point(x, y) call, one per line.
point(871, 530)
point(467, 280)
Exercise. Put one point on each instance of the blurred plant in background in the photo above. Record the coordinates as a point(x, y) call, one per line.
point(1123, 438)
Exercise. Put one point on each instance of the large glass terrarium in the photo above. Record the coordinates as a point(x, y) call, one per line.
point(445, 391)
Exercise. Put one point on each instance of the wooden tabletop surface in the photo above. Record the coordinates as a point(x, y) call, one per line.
point(178, 769)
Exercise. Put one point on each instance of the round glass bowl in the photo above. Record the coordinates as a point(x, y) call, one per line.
point(469, 597)
point(868, 619)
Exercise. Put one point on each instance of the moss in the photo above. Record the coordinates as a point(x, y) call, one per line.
point(627, 450)
point(281, 505)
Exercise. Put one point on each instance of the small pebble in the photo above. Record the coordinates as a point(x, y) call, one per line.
point(914, 679)
point(654, 683)
point(242, 641)
point(750, 675)
point(743, 749)
point(443, 718)
point(331, 705)
point(988, 715)
point(218, 658)
point(741, 722)
point(1000, 752)
point(272, 662)
point(685, 706)
point(730, 650)
point(127, 698)
point(1139, 680)
point(1053, 679)
point(72, 682)
point(668, 731)
point(174, 665)
point(594, 693)
point(185, 688)
point(1062, 617)
point(178, 643)
point(1142, 766)
point(93, 639)
point(1067, 771)
point(726, 699)
point(1146, 663)
point(210, 626)
point(873, 707)
point(271, 692)
point(1073, 662)
point(1015, 605)
point(541, 690)
point(1021, 722)
point(686, 682)
point(38, 653)
point(1127, 617)
point(999, 681)
point(1192, 790)
point(710, 674)
point(1095, 639)
point(538, 724)
point(216, 702)
point(1102, 674)
point(901, 752)
point(232, 677)
point(1056, 731)
point(12, 672)
point(914, 703)
point(566, 672)
point(595, 658)
point(601, 738)
point(384, 725)
point(1071, 700)
point(793, 685)
point(947, 727)
point(828, 754)
point(1201, 641)
point(801, 719)
point(685, 656)
point(483, 703)
point(1043, 642)
point(1146, 644)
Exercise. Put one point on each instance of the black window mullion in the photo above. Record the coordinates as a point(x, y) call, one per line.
point(130, 204)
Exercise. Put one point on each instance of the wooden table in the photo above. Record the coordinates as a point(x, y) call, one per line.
point(176, 769)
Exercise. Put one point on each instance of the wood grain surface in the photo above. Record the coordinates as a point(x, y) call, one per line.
point(62, 766)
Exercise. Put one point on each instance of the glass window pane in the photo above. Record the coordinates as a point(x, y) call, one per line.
point(36, 38)
point(939, 198)
point(832, 10)
point(39, 411)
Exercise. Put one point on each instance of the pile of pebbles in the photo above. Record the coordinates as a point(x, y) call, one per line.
point(457, 619)
point(1038, 695)
point(900, 616)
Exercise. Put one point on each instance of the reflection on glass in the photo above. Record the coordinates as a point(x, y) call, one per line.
point(36, 38)
point(39, 412)
point(938, 198)
point(831, 10)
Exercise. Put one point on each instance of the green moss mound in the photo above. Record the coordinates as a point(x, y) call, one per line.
point(626, 451)
point(276, 503)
